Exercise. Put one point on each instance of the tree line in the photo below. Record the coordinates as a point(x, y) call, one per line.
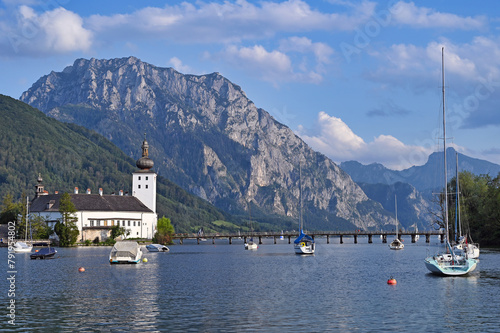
point(477, 210)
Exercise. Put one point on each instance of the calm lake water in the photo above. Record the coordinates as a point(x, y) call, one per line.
point(224, 288)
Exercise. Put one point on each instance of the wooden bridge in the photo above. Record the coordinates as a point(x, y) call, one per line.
point(294, 234)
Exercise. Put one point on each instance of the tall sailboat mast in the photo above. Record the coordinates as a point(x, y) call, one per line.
point(444, 145)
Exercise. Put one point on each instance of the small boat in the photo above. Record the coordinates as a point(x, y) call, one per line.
point(251, 245)
point(22, 247)
point(45, 253)
point(125, 252)
point(303, 244)
point(201, 235)
point(396, 244)
point(448, 263)
point(157, 248)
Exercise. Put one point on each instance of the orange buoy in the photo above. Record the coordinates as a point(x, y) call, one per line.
point(81, 269)
point(392, 281)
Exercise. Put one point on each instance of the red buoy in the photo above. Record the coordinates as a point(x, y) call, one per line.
point(81, 269)
point(392, 281)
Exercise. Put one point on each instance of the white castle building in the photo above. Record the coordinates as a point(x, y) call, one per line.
point(97, 213)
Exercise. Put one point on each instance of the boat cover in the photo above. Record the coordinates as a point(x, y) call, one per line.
point(303, 237)
point(125, 249)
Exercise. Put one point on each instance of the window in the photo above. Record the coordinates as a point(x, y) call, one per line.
point(146, 186)
point(129, 223)
point(138, 186)
point(139, 178)
point(91, 223)
point(146, 177)
point(97, 223)
point(134, 223)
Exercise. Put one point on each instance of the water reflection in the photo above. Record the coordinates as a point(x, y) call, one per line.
point(222, 287)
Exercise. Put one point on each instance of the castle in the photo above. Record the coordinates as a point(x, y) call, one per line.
point(98, 213)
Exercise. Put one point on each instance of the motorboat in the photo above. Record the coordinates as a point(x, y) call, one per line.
point(157, 248)
point(125, 252)
point(44, 253)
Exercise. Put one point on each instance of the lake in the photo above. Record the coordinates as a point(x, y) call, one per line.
point(224, 288)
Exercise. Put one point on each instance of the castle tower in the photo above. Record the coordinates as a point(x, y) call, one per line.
point(144, 180)
point(39, 187)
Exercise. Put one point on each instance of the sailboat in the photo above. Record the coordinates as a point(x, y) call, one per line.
point(201, 235)
point(470, 249)
point(303, 244)
point(20, 247)
point(448, 263)
point(249, 243)
point(396, 244)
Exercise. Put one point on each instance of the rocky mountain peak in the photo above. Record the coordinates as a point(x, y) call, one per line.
point(208, 137)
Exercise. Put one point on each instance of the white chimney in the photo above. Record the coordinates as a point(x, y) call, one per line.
point(76, 190)
point(88, 191)
point(100, 191)
point(121, 192)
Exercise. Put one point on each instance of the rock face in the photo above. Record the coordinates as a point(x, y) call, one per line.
point(208, 137)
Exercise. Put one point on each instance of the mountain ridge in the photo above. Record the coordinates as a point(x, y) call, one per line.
point(209, 138)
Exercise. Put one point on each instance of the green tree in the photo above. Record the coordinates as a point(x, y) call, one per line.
point(66, 228)
point(39, 227)
point(164, 231)
point(117, 231)
point(10, 209)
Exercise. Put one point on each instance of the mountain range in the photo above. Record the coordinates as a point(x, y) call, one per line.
point(209, 138)
point(424, 178)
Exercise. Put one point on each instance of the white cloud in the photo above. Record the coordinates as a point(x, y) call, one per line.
point(336, 140)
point(52, 32)
point(177, 64)
point(274, 66)
point(421, 17)
point(321, 51)
point(227, 22)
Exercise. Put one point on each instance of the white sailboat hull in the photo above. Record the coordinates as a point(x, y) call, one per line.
point(443, 264)
point(22, 247)
point(472, 250)
point(251, 246)
point(396, 244)
point(302, 248)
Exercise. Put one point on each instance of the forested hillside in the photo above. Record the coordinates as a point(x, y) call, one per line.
point(69, 156)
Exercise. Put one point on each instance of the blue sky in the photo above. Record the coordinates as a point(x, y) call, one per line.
point(357, 80)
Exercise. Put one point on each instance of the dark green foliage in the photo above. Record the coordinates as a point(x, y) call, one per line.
point(66, 228)
point(117, 231)
point(479, 207)
point(10, 209)
point(164, 231)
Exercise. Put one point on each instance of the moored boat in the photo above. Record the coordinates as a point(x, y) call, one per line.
point(396, 244)
point(44, 253)
point(125, 252)
point(157, 248)
point(448, 263)
point(20, 247)
point(303, 244)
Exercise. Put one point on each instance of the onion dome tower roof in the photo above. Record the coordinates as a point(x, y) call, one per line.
point(145, 163)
